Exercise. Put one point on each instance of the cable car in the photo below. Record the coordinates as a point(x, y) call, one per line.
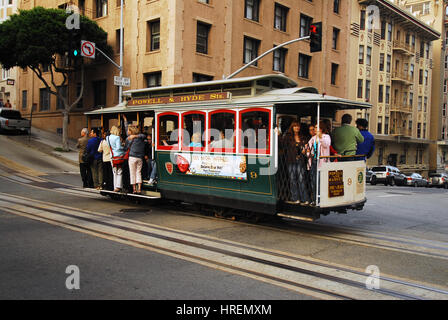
point(218, 143)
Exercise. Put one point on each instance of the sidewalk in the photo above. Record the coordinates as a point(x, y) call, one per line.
point(46, 142)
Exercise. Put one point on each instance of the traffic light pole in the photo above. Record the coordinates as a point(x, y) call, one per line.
point(266, 53)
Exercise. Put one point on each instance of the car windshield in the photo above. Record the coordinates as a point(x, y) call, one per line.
point(408, 174)
point(438, 175)
point(11, 114)
point(378, 169)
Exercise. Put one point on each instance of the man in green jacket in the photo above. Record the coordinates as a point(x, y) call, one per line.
point(346, 138)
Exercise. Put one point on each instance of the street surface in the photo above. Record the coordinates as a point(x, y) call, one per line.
point(128, 250)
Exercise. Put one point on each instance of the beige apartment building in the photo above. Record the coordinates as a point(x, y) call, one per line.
point(8, 77)
point(181, 41)
point(434, 13)
point(394, 71)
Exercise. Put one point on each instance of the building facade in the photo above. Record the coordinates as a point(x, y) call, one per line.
point(181, 41)
point(8, 77)
point(394, 72)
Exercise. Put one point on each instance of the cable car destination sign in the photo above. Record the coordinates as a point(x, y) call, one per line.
point(180, 99)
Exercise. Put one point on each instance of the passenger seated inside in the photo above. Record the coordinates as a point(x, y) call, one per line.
point(222, 143)
point(196, 140)
point(170, 139)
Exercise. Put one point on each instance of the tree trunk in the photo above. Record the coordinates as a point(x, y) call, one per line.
point(65, 145)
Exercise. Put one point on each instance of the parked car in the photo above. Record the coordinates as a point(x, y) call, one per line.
point(415, 179)
point(386, 174)
point(11, 120)
point(439, 180)
point(368, 174)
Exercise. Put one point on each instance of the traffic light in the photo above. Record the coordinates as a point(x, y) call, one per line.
point(316, 37)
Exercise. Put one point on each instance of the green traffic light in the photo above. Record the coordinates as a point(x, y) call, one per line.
point(75, 53)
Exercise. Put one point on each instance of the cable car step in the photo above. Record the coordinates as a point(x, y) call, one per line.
point(145, 194)
point(297, 217)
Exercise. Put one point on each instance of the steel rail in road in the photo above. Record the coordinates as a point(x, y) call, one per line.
point(216, 246)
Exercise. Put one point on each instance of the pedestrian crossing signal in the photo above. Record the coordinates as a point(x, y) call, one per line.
point(316, 37)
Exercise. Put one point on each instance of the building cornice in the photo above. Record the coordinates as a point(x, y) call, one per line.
point(404, 17)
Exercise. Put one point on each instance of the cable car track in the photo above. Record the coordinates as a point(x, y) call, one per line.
point(86, 221)
point(348, 235)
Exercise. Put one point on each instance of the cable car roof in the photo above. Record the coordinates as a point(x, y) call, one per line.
point(290, 94)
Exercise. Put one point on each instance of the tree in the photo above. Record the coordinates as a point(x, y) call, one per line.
point(39, 38)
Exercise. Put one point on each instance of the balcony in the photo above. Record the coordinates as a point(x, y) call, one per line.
point(403, 47)
point(401, 107)
point(403, 77)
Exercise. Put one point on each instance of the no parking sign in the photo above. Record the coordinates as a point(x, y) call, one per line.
point(88, 49)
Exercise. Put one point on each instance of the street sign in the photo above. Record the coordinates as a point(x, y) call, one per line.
point(122, 81)
point(88, 49)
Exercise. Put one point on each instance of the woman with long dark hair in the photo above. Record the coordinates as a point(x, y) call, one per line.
point(295, 145)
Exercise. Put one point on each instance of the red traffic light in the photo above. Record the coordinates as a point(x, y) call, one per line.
point(316, 37)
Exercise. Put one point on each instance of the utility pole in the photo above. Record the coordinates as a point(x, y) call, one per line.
point(120, 88)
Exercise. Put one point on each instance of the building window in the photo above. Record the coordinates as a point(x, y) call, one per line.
point(335, 38)
point(362, 21)
point(411, 72)
point(369, 56)
point(420, 76)
point(153, 79)
point(336, 6)
point(197, 77)
point(419, 130)
point(44, 99)
point(360, 82)
point(389, 32)
point(24, 99)
point(426, 77)
point(59, 102)
point(99, 93)
point(203, 31)
point(251, 9)
point(380, 93)
point(411, 99)
point(444, 110)
point(379, 128)
point(389, 57)
point(420, 102)
point(304, 66)
point(386, 125)
point(78, 92)
point(383, 30)
point(425, 104)
point(361, 55)
point(367, 90)
point(387, 94)
point(381, 61)
point(153, 42)
point(100, 8)
point(250, 50)
point(334, 73)
point(117, 41)
point(305, 24)
point(280, 16)
point(279, 60)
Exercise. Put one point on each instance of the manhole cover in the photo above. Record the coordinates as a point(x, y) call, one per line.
point(134, 210)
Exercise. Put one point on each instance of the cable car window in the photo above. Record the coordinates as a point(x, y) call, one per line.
point(222, 131)
point(193, 125)
point(168, 133)
point(255, 133)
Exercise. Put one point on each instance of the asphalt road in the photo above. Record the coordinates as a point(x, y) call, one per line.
point(126, 250)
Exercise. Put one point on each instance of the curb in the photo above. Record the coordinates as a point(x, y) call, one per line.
point(44, 148)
